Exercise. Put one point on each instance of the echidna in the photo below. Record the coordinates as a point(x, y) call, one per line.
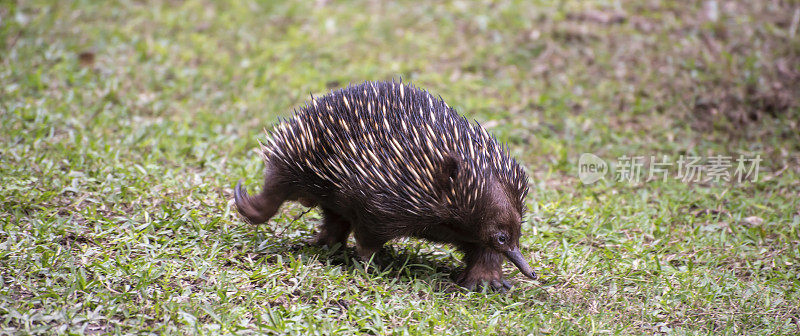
point(387, 160)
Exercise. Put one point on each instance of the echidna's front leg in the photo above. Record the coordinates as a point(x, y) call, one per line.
point(483, 269)
point(334, 229)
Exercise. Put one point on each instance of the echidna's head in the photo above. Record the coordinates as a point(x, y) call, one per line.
point(501, 227)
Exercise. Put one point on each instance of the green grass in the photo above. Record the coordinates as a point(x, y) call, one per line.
point(124, 126)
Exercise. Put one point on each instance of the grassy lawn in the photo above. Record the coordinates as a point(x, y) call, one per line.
point(124, 126)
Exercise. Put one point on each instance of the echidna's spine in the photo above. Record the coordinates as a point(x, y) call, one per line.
point(390, 140)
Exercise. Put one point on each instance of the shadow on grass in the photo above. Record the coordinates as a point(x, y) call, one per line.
point(391, 262)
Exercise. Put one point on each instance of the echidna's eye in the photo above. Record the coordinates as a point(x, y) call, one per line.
point(502, 239)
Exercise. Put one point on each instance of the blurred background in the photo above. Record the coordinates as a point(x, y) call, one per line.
point(557, 78)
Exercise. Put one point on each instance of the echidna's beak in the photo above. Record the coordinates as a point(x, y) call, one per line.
point(515, 256)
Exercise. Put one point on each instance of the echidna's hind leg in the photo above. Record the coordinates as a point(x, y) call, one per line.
point(334, 229)
point(260, 208)
point(367, 244)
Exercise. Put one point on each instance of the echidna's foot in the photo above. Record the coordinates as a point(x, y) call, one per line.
point(369, 258)
point(325, 239)
point(478, 280)
point(483, 270)
point(367, 254)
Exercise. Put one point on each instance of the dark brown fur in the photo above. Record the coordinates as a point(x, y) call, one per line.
point(470, 197)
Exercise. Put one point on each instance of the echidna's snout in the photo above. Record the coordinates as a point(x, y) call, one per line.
point(515, 256)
